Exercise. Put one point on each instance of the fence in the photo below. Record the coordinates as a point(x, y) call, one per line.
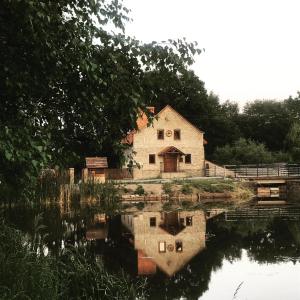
point(265, 170)
point(118, 174)
point(289, 213)
point(213, 170)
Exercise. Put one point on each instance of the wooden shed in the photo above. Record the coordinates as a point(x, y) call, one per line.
point(95, 169)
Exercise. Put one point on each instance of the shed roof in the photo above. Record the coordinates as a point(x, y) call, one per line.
point(96, 162)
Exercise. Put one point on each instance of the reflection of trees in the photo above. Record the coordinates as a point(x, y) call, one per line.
point(193, 280)
point(269, 241)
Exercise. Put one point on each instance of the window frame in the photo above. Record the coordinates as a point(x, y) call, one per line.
point(178, 244)
point(189, 221)
point(188, 161)
point(150, 221)
point(160, 134)
point(165, 247)
point(152, 156)
point(177, 131)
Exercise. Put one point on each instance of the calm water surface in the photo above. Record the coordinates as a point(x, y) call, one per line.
point(183, 254)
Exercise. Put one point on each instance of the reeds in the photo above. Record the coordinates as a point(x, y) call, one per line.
point(28, 274)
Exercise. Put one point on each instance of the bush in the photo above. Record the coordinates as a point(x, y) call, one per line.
point(139, 190)
point(106, 194)
point(167, 188)
point(186, 189)
point(243, 152)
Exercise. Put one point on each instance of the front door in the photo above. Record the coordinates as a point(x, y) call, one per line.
point(170, 163)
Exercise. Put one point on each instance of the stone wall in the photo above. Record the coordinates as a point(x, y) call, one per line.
point(146, 142)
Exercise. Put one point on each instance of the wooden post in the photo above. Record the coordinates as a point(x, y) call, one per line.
point(85, 175)
point(71, 176)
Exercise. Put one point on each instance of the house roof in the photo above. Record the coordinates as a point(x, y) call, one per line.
point(96, 162)
point(143, 124)
point(170, 149)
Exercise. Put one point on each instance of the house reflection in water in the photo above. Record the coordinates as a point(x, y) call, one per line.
point(167, 240)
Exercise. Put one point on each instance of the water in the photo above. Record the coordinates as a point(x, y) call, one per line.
point(183, 255)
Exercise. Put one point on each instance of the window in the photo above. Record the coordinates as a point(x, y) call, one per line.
point(188, 158)
point(152, 222)
point(178, 246)
point(177, 134)
point(189, 221)
point(180, 159)
point(161, 247)
point(181, 220)
point(151, 158)
point(160, 134)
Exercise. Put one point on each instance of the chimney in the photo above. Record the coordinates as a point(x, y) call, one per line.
point(142, 119)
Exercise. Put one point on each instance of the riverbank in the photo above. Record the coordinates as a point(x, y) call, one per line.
point(199, 190)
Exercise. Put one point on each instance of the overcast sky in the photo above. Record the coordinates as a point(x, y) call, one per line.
point(252, 47)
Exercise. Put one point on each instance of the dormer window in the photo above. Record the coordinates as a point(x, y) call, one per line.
point(160, 134)
point(177, 135)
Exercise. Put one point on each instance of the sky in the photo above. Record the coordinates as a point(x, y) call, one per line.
point(252, 47)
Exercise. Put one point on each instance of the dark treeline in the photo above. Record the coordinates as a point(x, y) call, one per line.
point(265, 131)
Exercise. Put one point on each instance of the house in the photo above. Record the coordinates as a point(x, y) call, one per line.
point(95, 169)
point(170, 147)
point(167, 240)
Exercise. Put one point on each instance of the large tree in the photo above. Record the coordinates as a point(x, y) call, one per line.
point(68, 86)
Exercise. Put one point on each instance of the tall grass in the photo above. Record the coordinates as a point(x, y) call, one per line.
point(107, 195)
point(29, 274)
point(49, 185)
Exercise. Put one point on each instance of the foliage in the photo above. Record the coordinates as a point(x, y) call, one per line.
point(139, 190)
point(167, 188)
point(73, 275)
point(167, 206)
point(106, 194)
point(49, 184)
point(213, 186)
point(243, 152)
point(293, 141)
point(64, 77)
point(186, 189)
point(140, 205)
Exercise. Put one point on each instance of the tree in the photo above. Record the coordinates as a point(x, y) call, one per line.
point(68, 86)
point(293, 141)
point(243, 152)
point(265, 122)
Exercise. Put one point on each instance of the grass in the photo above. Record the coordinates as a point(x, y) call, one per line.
point(49, 185)
point(106, 195)
point(29, 274)
point(213, 186)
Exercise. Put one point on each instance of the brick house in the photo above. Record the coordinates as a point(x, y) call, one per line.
point(170, 147)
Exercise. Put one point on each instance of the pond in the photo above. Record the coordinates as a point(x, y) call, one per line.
point(186, 254)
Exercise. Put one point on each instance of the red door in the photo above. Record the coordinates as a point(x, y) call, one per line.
point(170, 163)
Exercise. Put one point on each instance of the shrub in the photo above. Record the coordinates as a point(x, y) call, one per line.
point(167, 206)
point(167, 188)
point(140, 205)
point(186, 189)
point(139, 190)
point(243, 152)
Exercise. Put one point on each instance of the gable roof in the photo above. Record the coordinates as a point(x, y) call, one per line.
point(129, 138)
point(178, 114)
point(170, 149)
